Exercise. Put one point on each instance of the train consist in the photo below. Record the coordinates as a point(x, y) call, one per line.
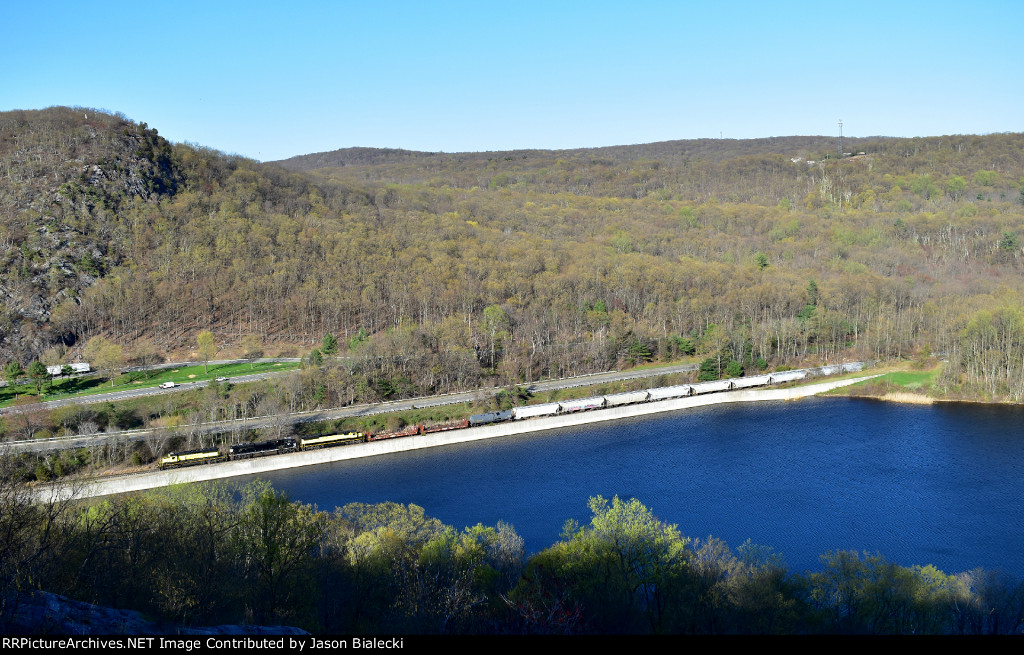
point(649, 395)
point(288, 445)
point(258, 449)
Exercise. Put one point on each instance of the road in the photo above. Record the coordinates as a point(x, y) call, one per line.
point(125, 394)
point(82, 441)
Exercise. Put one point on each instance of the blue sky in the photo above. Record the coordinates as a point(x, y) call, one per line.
point(269, 80)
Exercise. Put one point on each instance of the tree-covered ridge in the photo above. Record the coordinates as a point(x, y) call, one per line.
point(438, 271)
point(694, 170)
point(201, 554)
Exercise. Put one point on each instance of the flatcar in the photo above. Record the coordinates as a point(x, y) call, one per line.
point(444, 427)
point(407, 432)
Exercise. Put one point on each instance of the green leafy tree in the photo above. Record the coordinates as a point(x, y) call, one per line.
point(985, 178)
point(627, 568)
point(955, 187)
point(145, 354)
point(37, 371)
point(713, 344)
point(12, 372)
point(195, 574)
point(874, 596)
point(106, 356)
point(496, 325)
point(275, 541)
point(206, 347)
point(359, 339)
point(900, 228)
point(314, 359)
point(252, 348)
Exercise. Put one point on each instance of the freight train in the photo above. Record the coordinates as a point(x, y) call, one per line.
point(649, 395)
point(258, 449)
point(290, 445)
point(287, 445)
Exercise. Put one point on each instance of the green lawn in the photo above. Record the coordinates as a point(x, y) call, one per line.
point(93, 384)
point(909, 380)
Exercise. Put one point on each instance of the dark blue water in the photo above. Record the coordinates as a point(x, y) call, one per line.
point(938, 485)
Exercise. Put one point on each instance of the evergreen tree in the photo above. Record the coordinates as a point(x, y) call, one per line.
point(329, 345)
point(734, 370)
point(708, 370)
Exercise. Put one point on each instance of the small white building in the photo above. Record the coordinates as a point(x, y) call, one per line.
point(80, 367)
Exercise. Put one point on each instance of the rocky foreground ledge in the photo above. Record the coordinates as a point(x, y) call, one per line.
point(43, 613)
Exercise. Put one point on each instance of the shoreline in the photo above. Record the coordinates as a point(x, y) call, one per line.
point(911, 398)
point(902, 397)
point(202, 473)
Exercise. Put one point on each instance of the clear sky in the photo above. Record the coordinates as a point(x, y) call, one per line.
point(270, 80)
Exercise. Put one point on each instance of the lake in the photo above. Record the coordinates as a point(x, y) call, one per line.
point(939, 484)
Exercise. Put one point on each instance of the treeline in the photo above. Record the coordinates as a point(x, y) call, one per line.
point(210, 554)
point(514, 266)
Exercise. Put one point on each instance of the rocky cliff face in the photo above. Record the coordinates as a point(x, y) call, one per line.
point(66, 177)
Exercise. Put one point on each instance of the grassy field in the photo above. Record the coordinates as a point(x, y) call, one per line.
point(94, 384)
point(911, 380)
point(901, 380)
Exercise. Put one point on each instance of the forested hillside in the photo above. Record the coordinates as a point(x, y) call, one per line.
point(438, 271)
